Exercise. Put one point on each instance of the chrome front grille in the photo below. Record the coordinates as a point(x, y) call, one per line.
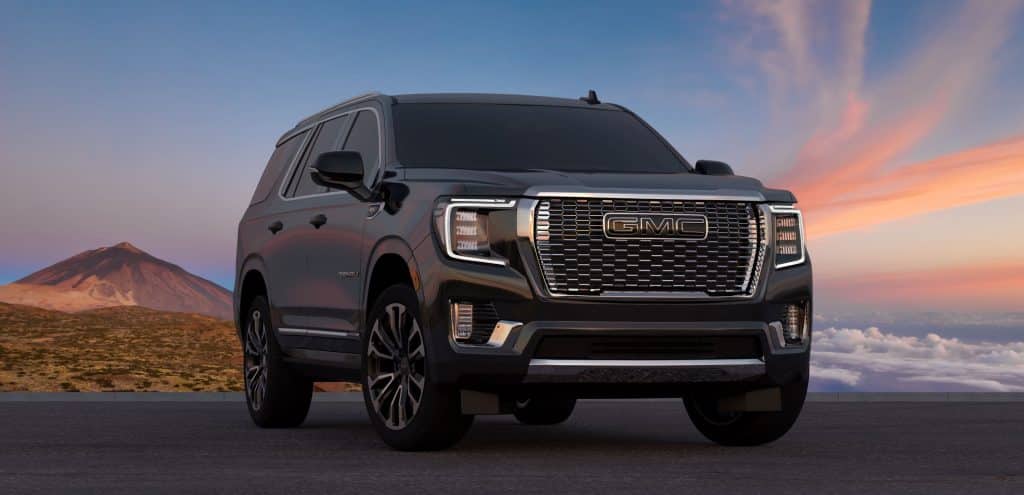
point(578, 259)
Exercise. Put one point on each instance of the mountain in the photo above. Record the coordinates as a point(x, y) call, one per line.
point(119, 275)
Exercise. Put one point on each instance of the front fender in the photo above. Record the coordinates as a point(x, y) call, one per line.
point(397, 246)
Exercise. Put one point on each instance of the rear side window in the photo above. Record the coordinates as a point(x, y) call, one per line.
point(364, 138)
point(282, 157)
point(328, 139)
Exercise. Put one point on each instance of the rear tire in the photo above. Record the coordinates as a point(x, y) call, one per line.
point(276, 396)
point(409, 410)
point(543, 410)
point(745, 428)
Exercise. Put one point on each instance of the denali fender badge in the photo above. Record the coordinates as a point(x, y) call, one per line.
point(655, 226)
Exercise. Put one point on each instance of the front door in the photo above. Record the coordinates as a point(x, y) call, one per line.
point(336, 258)
point(320, 221)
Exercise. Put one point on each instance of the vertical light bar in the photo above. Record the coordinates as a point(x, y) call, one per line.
point(794, 325)
point(788, 226)
point(462, 321)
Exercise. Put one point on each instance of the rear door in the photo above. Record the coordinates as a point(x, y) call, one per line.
point(287, 255)
point(273, 229)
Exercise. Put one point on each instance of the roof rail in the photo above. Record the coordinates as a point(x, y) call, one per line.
point(354, 99)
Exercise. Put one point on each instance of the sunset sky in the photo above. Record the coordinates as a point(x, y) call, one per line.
point(899, 125)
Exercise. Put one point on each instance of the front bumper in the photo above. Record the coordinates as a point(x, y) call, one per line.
point(650, 371)
point(515, 365)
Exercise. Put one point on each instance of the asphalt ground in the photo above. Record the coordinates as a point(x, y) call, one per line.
point(606, 447)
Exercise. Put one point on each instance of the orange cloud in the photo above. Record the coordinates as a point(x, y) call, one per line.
point(987, 286)
point(855, 165)
point(980, 174)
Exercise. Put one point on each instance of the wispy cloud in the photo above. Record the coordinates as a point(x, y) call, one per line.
point(782, 38)
point(975, 175)
point(870, 359)
point(847, 171)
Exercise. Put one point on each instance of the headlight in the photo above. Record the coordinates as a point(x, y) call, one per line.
point(461, 225)
point(789, 236)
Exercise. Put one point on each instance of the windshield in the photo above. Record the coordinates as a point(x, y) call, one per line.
point(522, 137)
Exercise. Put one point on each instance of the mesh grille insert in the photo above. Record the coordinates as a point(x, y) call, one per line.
point(577, 258)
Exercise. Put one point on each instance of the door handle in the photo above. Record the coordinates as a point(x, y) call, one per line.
point(318, 220)
point(275, 227)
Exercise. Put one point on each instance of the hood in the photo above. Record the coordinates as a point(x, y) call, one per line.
point(537, 182)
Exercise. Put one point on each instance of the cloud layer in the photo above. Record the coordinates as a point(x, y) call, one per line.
point(849, 359)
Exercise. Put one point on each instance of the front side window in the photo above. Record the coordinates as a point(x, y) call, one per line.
point(364, 138)
point(486, 136)
point(328, 139)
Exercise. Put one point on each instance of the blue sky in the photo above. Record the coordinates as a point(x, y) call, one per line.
point(151, 121)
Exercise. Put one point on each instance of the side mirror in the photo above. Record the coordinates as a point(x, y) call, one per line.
point(711, 167)
point(341, 170)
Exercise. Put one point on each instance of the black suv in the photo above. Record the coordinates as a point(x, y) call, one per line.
point(463, 254)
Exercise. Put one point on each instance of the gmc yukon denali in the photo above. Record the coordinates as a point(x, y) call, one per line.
point(465, 254)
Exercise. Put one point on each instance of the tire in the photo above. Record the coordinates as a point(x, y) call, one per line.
point(746, 428)
point(276, 396)
point(407, 408)
point(543, 410)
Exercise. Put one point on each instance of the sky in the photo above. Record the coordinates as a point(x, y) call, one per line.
point(898, 124)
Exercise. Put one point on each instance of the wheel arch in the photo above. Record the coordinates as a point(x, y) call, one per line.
point(251, 282)
point(390, 262)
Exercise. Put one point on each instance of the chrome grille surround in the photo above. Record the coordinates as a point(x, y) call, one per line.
point(576, 259)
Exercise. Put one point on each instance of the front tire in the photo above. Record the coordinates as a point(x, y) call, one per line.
point(745, 428)
point(276, 396)
point(543, 410)
point(409, 410)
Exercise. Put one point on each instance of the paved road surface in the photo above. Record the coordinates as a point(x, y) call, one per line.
point(645, 447)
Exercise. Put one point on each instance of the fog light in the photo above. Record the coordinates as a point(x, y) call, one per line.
point(794, 324)
point(462, 321)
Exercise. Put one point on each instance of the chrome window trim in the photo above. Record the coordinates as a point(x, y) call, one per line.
point(485, 203)
point(790, 210)
point(380, 153)
point(351, 101)
point(526, 229)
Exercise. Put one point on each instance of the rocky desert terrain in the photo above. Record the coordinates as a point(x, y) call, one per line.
point(116, 349)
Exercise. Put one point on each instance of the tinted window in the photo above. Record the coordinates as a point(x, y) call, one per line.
point(328, 139)
point(279, 161)
point(363, 138)
point(519, 137)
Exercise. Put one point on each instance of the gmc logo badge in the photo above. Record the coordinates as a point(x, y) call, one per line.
point(655, 226)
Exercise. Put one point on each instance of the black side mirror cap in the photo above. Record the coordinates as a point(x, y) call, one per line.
point(341, 170)
point(712, 167)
